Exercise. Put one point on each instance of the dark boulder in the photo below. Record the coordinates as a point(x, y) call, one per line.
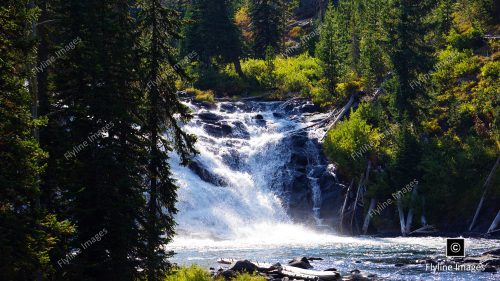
point(299, 158)
point(278, 115)
point(493, 262)
point(495, 252)
point(300, 263)
point(240, 130)
point(209, 117)
point(204, 174)
point(309, 108)
point(204, 105)
point(331, 269)
point(259, 117)
point(244, 266)
point(226, 274)
point(490, 269)
point(218, 130)
point(228, 107)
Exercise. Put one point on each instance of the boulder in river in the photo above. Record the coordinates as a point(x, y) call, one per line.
point(244, 266)
point(204, 174)
point(209, 117)
point(302, 262)
point(218, 130)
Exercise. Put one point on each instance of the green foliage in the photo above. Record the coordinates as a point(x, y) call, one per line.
point(351, 143)
point(268, 25)
point(289, 75)
point(192, 273)
point(195, 273)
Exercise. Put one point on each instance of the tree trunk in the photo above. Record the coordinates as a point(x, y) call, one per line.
point(237, 67)
point(409, 218)
point(495, 223)
point(368, 216)
point(341, 114)
point(485, 187)
point(360, 191)
point(344, 206)
point(401, 217)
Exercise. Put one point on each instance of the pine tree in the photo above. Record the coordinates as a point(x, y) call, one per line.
point(28, 232)
point(159, 25)
point(212, 34)
point(332, 48)
point(98, 94)
point(268, 25)
point(407, 49)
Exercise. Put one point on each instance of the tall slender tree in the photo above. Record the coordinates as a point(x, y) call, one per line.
point(268, 25)
point(159, 25)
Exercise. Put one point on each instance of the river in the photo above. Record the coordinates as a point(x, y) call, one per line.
point(261, 189)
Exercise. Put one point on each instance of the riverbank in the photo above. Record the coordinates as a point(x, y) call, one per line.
point(302, 268)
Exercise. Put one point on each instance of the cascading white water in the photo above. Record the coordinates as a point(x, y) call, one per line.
point(250, 164)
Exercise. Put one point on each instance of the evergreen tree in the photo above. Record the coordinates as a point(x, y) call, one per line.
point(332, 48)
point(407, 49)
point(268, 25)
point(159, 24)
point(96, 86)
point(28, 232)
point(212, 33)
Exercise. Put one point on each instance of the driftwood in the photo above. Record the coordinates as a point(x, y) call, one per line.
point(341, 114)
point(485, 187)
point(307, 274)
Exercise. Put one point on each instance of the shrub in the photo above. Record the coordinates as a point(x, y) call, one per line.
point(192, 273)
point(200, 95)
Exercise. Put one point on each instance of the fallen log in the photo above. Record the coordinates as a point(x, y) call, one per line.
point(307, 274)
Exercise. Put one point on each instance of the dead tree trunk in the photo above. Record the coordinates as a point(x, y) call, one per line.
point(485, 187)
point(401, 217)
point(344, 206)
point(409, 218)
point(495, 223)
point(341, 114)
point(368, 215)
point(360, 192)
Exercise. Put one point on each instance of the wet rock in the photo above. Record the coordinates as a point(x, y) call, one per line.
point(209, 117)
point(278, 115)
point(299, 159)
point(492, 262)
point(204, 174)
point(300, 263)
point(309, 108)
point(228, 107)
point(259, 117)
point(495, 252)
point(218, 130)
point(226, 274)
point(490, 269)
point(244, 266)
point(331, 269)
point(240, 130)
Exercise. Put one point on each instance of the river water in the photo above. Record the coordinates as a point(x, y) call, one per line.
point(234, 203)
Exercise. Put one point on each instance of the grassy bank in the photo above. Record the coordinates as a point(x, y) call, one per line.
point(195, 273)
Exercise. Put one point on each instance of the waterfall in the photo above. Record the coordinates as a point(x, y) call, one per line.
point(251, 174)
